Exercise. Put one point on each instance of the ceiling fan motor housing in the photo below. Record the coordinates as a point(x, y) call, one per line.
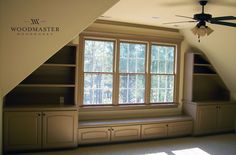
point(202, 17)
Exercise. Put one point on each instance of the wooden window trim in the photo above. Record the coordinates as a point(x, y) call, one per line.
point(132, 39)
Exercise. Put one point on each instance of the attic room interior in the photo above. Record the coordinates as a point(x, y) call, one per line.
point(116, 77)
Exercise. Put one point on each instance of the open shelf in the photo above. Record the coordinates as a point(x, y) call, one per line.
point(202, 82)
point(45, 85)
point(51, 75)
point(200, 59)
point(40, 95)
point(53, 83)
point(58, 65)
point(203, 69)
point(66, 55)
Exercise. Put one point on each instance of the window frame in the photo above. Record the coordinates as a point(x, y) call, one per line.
point(145, 69)
point(149, 41)
point(175, 69)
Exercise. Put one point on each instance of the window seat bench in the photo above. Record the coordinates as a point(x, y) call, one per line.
point(105, 131)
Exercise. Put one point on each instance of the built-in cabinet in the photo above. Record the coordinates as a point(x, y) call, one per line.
point(89, 133)
point(162, 130)
point(206, 97)
point(41, 112)
point(40, 130)
point(108, 134)
point(215, 118)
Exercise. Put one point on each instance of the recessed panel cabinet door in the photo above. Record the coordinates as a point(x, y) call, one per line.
point(125, 133)
point(60, 129)
point(94, 135)
point(206, 119)
point(180, 128)
point(154, 131)
point(22, 130)
point(226, 117)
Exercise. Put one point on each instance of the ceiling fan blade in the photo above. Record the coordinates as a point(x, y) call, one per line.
point(184, 16)
point(180, 22)
point(224, 18)
point(223, 23)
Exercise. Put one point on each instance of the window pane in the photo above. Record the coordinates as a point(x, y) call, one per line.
point(132, 57)
point(98, 56)
point(97, 89)
point(132, 89)
point(162, 88)
point(162, 59)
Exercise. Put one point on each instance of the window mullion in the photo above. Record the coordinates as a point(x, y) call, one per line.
point(116, 78)
point(148, 74)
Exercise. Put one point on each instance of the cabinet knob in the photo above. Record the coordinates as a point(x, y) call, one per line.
point(39, 114)
point(44, 114)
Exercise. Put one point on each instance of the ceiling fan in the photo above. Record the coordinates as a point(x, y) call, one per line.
point(201, 29)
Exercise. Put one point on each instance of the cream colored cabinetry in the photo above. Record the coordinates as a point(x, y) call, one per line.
point(180, 128)
point(60, 129)
point(108, 134)
point(37, 130)
point(94, 135)
point(215, 118)
point(212, 117)
point(22, 130)
point(166, 130)
point(125, 133)
point(151, 131)
point(104, 131)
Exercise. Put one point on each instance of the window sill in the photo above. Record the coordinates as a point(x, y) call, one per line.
point(127, 107)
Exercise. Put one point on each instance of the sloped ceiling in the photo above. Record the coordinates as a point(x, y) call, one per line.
point(21, 53)
point(220, 46)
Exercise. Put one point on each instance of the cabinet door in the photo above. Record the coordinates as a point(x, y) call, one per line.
point(180, 128)
point(226, 117)
point(154, 131)
point(60, 129)
point(125, 133)
point(94, 135)
point(206, 119)
point(22, 130)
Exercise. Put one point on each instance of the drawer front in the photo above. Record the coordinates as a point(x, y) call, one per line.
point(180, 128)
point(154, 131)
point(125, 133)
point(94, 135)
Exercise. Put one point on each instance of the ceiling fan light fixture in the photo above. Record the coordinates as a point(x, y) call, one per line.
point(201, 31)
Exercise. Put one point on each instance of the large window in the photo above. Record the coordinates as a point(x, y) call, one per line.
point(132, 73)
point(162, 73)
point(120, 72)
point(98, 72)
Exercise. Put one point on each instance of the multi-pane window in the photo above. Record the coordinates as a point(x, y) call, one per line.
point(162, 73)
point(132, 73)
point(98, 72)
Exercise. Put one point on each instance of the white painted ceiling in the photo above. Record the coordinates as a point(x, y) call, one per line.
point(157, 12)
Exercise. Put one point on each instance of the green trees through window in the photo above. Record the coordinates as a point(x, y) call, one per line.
point(101, 73)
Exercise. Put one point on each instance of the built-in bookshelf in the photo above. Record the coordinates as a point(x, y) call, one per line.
point(54, 82)
point(202, 82)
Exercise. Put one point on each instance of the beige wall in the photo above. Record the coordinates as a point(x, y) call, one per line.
point(220, 48)
point(21, 54)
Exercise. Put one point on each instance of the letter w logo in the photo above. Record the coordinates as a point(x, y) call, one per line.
point(34, 21)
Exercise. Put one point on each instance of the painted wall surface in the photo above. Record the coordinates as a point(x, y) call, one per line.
point(22, 52)
point(220, 48)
